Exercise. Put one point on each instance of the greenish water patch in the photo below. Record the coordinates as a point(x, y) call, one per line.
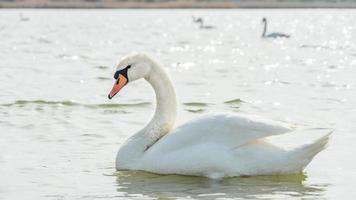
point(199, 110)
point(234, 101)
point(296, 177)
point(22, 103)
point(201, 104)
point(195, 107)
point(117, 105)
point(187, 181)
point(43, 102)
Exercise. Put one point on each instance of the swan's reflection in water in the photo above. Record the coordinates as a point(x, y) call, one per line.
point(147, 186)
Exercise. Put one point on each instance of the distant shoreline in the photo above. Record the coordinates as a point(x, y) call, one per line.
point(179, 4)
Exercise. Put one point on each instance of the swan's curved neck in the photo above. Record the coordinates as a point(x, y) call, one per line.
point(161, 123)
point(166, 104)
point(264, 29)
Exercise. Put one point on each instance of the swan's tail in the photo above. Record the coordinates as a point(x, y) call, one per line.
point(306, 153)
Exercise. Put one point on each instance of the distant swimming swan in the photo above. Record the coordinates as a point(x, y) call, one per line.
point(200, 21)
point(271, 35)
point(218, 145)
point(23, 18)
point(197, 20)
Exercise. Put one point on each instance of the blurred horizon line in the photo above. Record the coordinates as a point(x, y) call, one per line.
point(179, 4)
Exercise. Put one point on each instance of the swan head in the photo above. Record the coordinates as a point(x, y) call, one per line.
point(264, 20)
point(129, 69)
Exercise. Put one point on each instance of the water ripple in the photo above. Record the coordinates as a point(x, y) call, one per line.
point(195, 107)
point(234, 101)
point(72, 103)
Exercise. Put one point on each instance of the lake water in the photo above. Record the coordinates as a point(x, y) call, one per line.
point(59, 133)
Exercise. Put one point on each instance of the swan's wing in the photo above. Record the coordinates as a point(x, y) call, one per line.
point(228, 130)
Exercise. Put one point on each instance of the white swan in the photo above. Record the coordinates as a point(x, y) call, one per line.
point(215, 146)
point(271, 35)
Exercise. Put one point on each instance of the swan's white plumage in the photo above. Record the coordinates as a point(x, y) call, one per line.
point(215, 146)
point(229, 130)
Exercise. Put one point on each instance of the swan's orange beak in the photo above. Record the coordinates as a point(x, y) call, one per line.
point(120, 83)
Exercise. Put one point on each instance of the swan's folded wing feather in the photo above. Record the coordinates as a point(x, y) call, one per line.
point(228, 130)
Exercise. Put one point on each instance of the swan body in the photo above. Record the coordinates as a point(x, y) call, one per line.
point(215, 146)
point(203, 26)
point(201, 23)
point(272, 35)
point(23, 18)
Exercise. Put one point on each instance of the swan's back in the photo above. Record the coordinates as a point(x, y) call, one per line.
point(230, 130)
point(227, 145)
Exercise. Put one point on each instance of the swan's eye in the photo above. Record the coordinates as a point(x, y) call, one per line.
point(122, 71)
point(116, 76)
